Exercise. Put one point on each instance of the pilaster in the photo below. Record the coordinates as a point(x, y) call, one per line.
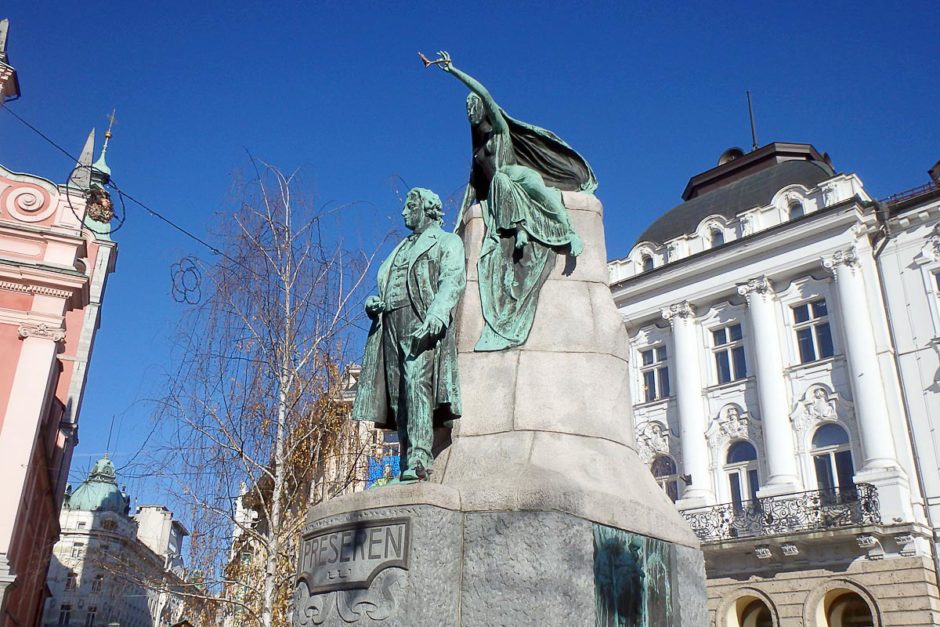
point(688, 383)
point(772, 394)
point(881, 467)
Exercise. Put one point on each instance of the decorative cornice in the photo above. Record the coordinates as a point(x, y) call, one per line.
point(42, 331)
point(41, 290)
point(678, 310)
point(760, 285)
point(847, 257)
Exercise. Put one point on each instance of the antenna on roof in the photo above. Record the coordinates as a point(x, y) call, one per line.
point(110, 429)
point(750, 111)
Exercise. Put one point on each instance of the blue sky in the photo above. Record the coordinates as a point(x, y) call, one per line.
point(650, 94)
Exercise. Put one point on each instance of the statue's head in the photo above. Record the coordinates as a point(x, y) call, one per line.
point(474, 109)
point(422, 206)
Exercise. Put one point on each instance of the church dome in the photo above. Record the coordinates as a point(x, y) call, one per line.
point(99, 492)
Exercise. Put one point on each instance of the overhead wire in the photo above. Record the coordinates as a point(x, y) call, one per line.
point(122, 194)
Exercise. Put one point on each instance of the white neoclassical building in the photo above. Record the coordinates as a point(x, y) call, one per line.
point(111, 568)
point(785, 331)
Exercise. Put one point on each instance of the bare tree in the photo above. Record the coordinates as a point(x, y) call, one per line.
point(254, 423)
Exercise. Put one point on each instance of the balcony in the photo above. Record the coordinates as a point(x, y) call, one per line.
point(815, 510)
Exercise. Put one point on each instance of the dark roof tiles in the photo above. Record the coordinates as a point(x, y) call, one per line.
point(728, 201)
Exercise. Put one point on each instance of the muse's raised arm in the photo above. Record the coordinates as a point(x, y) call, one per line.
point(489, 105)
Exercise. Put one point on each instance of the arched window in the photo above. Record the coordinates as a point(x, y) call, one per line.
point(647, 263)
point(832, 459)
point(716, 236)
point(741, 470)
point(795, 209)
point(756, 614)
point(849, 610)
point(667, 475)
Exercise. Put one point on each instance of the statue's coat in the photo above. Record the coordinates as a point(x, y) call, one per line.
point(436, 279)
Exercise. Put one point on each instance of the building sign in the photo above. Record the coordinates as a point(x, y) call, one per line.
point(351, 555)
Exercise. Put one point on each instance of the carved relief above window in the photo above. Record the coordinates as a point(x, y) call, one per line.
point(731, 423)
point(653, 438)
point(819, 404)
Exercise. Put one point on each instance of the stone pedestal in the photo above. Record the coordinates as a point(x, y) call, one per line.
point(540, 511)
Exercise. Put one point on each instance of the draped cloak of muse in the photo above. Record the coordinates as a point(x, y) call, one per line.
point(436, 280)
point(510, 280)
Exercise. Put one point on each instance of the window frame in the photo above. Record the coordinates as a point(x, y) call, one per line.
point(658, 369)
point(830, 453)
point(812, 327)
point(746, 474)
point(667, 481)
point(731, 350)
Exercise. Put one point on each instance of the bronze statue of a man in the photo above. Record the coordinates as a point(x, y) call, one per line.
point(409, 378)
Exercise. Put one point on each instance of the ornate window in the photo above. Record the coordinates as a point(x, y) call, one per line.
point(667, 475)
point(832, 458)
point(78, 549)
point(813, 336)
point(647, 263)
point(654, 373)
point(65, 614)
point(97, 583)
point(71, 581)
point(728, 349)
point(741, 470)
point(90, 616)
point(795, 209)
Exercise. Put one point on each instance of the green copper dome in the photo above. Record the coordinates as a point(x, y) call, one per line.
point(99, 492)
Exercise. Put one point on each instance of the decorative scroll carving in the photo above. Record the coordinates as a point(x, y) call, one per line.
point(376, 603)
point(26, 202)
point(41, 330)
point(678, 310)
point(731, 424)
point(789, 549)
point(830, 193)
point(931, 249)
point(819, 404)
point(652, 439)
point(760, 285)
point(847, 257)
point(762, 552)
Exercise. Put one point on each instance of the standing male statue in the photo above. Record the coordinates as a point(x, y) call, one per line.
point(409, 378)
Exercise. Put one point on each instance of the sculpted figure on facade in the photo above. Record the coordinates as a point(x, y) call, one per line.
point(518, 172)
point(409, 379)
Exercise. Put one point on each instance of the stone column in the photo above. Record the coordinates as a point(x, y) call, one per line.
point(871, 406)
point(771, 389)
point(688, 383)
point(22, 419)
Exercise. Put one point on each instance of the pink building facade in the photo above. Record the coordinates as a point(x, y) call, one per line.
point(54, 264)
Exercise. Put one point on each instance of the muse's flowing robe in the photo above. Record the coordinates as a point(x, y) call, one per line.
point(510, 280)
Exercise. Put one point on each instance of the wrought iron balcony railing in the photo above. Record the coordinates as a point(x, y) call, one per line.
point(802, 511)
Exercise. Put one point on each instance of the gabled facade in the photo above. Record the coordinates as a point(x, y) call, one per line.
point(767, 396)
point(54, 264)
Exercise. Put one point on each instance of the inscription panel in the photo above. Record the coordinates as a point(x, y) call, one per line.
point(350, 556)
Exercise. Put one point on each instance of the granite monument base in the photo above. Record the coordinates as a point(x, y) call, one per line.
point(414, 558)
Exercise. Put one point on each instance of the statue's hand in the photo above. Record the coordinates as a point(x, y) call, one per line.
point(576, 245)
point(424, 336)
point(374, 306)
point(447, 64)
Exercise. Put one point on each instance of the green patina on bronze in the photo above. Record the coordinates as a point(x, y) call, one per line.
point(517, 175)
point(409, 379)
point(634, 580)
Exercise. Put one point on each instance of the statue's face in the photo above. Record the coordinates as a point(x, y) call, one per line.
point(474, 109)
point(413, 212)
